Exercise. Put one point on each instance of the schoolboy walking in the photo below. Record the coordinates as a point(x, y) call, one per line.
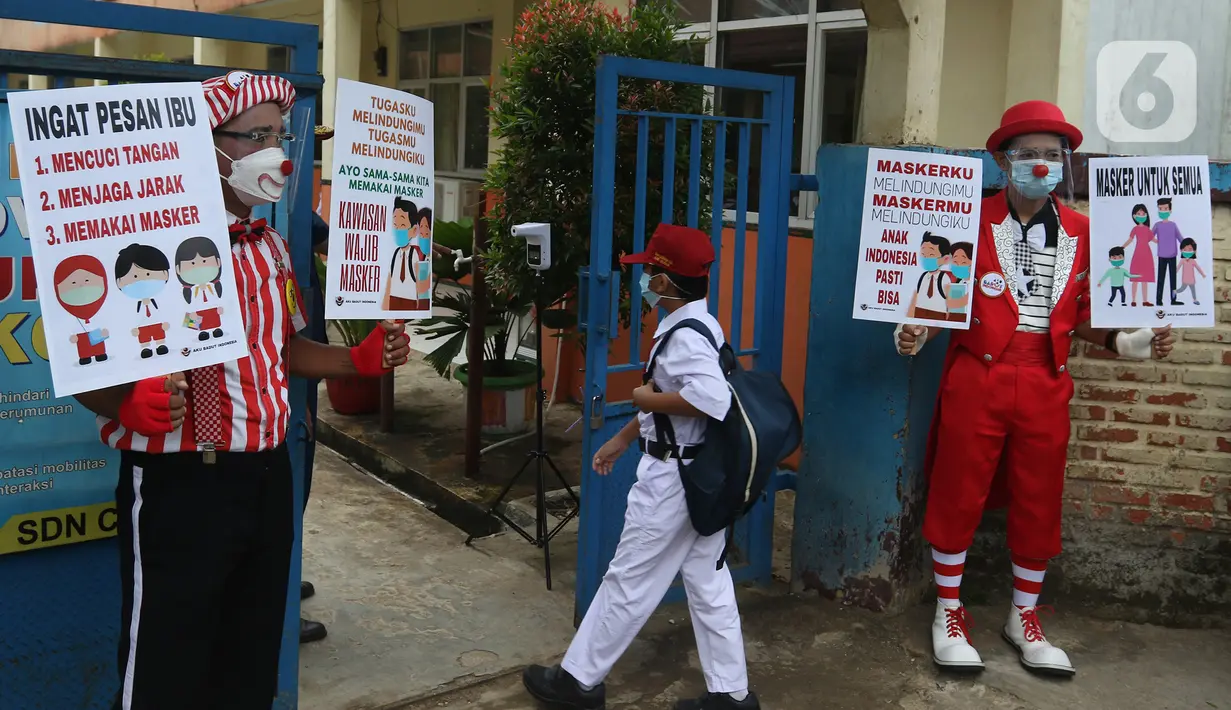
point(687, 384)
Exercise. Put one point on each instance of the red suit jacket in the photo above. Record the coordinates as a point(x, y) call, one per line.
point(994, 319)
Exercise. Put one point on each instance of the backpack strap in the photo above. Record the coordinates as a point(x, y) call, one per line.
point(662, 423)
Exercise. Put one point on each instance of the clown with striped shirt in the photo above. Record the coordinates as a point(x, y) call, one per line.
point(205, 495)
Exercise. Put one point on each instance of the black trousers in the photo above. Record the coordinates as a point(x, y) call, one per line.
point(204, 554)
point(1166, 267)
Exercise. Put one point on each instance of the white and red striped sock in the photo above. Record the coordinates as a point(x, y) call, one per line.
point(1027, 580)
point(947, 569)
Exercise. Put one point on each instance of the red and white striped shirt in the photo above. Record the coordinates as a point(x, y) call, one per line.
point(256, 389)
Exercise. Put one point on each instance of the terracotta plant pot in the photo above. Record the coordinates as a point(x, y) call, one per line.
point(508, 400)
point(354, 395)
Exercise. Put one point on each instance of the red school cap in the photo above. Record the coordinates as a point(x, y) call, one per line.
point(685, 251)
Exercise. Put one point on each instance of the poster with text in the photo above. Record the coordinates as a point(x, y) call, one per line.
point(1151, 250)
point(129, 233)
point(381, 205)
point(57, 480)
point(918, 239)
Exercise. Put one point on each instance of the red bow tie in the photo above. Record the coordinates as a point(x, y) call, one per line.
point(246, 231)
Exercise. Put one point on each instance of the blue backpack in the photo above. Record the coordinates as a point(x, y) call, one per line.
point(731, 469)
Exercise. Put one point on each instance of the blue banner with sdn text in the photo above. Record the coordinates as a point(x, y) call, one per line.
point(57, 480)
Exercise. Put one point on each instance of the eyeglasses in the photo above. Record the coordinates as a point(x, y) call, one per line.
point(1054, 155)
point(261, 137)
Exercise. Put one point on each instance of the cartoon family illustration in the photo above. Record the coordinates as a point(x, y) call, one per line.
point(943, 290)
point(141, 273)
point(1141, 269)
point(409, 287)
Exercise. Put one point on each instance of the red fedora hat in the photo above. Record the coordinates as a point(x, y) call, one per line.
point(1033, 117)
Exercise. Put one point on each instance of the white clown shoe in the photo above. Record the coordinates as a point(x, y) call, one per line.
point(951, 648)
point(1024, 631)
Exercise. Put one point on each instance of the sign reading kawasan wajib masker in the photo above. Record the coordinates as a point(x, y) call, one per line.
point(57, 480)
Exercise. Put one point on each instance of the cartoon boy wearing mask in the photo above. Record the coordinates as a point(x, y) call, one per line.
point(401, 290)
point(141, 273)
point(81, 289)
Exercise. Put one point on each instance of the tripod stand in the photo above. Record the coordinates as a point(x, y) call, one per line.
point(538, 455)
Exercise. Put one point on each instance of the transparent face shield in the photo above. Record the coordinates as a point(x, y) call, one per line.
point(301, 153)
point(1025, 175)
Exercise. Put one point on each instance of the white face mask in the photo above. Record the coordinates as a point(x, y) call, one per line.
point(258, 178)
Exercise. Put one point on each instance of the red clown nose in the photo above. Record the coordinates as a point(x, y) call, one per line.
point(1039, 171)
point(288, 167)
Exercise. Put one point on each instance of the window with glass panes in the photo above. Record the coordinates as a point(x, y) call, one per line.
point(449, 67)
point(823, 44)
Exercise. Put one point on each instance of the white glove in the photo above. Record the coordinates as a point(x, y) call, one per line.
point(919, 339)
point(1135, 345)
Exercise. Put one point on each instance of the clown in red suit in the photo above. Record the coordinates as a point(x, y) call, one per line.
point(81, 289)
point(1000, 431)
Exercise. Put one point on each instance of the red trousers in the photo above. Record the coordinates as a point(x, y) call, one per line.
point(149, 333)
point(1002, 427)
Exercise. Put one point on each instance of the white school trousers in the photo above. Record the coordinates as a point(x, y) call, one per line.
point(657, 543)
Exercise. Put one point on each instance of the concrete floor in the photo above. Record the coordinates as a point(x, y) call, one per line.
point(419, 621)
point(409, 608)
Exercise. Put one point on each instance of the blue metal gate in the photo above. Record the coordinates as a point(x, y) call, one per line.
point(60, 624)
point(715, 143)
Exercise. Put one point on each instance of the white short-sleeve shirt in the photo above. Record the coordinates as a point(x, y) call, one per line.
point(689, 365)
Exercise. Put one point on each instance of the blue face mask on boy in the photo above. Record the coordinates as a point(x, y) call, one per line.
point(650, 297)
point(144, 290)
point(401, 237)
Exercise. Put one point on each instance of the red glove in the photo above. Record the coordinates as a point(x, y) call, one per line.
point(146, 408)
point(369, 356)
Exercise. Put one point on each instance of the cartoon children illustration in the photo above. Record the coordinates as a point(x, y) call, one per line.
point(81, 289)
point(1143, 259)
point(141, 273)
point(423, 294)
point(199, 268)
point(1168, 235)
point(958, 296)
point(1189, 268)
point(932, 291)
point(1116, 274)
point(401, 290)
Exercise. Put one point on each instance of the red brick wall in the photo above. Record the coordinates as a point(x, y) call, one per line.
point(1151, 441)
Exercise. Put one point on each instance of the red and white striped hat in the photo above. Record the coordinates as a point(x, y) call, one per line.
point(230, 95)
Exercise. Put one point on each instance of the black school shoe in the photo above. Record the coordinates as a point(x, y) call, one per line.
point(556, 689)
point(311, 631)
point(720, 701)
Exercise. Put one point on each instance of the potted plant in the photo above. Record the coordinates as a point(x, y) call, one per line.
point(508, 383)
point(351, 395)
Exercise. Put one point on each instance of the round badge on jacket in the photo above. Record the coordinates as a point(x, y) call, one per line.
point(992, 284)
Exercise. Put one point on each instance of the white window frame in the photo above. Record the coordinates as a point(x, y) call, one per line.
point(463, 83)
point(818, 24)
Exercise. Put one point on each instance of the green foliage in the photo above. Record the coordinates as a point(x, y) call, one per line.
point(544, 112)
point(351, 330)
point(502, 315)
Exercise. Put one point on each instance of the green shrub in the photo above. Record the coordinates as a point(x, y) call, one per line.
point(544, 112)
